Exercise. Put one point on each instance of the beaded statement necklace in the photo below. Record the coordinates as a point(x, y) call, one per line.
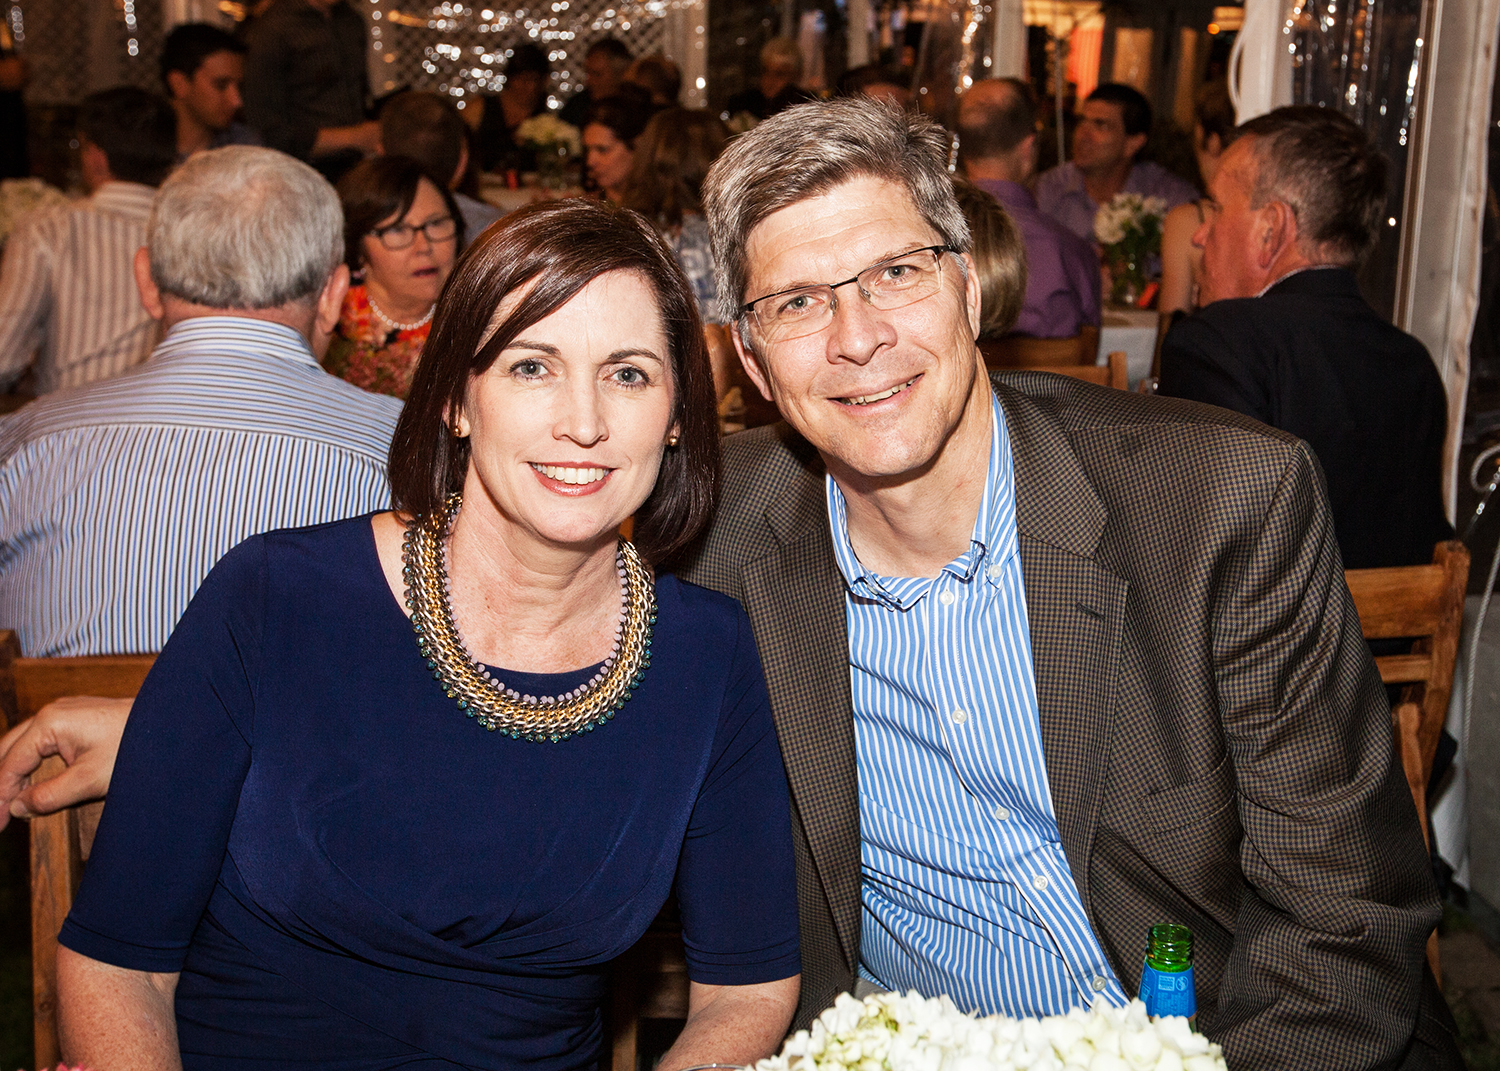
point(487, 700)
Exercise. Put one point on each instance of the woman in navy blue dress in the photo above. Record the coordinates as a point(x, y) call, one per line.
point(400, 787)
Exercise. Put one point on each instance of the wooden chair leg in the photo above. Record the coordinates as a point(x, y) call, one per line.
point(54, 880)
point(624, 1018)
point(1408, 719)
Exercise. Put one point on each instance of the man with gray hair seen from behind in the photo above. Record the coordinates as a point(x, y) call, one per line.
point(1284, 336)
point(1049, 663)
point(997, 150)
point(117, 498)
point(427, 128)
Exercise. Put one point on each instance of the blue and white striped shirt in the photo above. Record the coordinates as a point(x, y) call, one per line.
point(965, 889)
point(116, 498)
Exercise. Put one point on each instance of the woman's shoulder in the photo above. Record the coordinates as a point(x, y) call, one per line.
point(690, 598)
point(701, 613)
point(291, 554)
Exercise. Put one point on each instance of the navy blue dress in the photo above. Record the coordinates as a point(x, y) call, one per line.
point(349, 873)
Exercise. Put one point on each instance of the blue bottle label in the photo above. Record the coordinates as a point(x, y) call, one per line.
point(1168, 992)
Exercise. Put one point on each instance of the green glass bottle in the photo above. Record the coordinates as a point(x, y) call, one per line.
point(1167, 976)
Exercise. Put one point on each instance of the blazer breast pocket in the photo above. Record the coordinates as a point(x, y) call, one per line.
point(1192, 805)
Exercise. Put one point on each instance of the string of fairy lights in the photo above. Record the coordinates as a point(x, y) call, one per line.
point(453, 46)
point(462, 49)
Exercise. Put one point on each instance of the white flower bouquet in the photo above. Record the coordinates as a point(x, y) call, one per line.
point(1129, 230)
point(547, 133)
point(895, 1032)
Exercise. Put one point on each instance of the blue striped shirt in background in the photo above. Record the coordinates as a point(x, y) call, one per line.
point(117, 498)
point(67, 291)
point(965, 889)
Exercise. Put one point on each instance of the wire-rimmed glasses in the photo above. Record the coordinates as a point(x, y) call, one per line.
point(890, 284)
point(401, 235)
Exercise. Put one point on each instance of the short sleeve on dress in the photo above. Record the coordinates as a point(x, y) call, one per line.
point(736, 881)
point(177, 779)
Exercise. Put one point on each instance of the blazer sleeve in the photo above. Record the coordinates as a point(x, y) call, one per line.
point(1328, 957)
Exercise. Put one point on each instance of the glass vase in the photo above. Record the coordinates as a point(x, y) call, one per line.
point(1127, 279)
point(552, 168)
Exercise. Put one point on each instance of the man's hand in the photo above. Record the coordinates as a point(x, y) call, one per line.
point(85, 731)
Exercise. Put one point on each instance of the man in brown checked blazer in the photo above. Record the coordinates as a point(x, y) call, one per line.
point(1217, 744)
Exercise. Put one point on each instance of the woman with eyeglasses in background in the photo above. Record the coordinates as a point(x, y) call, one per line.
point(402, 231)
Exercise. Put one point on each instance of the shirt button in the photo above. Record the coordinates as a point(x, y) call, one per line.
point(946, 598)
point(1039, 882)
point(1099, 984)
point(1001, 813)
point(959, 717)
point(995, 569)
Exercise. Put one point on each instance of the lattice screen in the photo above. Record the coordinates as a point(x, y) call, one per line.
point(459, 48)
point(75, 46)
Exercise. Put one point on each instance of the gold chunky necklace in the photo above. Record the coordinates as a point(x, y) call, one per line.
point(490, 702)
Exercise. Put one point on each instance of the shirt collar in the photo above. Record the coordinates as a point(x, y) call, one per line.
point(126, 198)
point(237, 336)
point(992, 542)
point(1295, 271)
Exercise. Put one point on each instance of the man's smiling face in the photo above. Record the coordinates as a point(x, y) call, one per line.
point(879, 393)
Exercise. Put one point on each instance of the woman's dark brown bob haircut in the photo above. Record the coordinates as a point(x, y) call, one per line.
point(561, 246)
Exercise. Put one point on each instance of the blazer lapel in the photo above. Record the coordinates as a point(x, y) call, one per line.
point(795, 599)
point(1076, 609)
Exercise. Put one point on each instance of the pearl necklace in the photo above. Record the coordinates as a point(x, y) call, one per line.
point(490, 702)
point(397, 324)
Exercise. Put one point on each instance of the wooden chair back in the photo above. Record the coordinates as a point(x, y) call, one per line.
point(60, 842)
point(1425, 603)
point(1022, 351)
point(648, 982)
point(1114, 374)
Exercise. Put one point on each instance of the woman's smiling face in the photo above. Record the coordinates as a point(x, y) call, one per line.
point(567, 427)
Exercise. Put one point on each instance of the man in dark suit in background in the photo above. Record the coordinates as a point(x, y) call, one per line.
point(1049, 663)
point(1287, 338)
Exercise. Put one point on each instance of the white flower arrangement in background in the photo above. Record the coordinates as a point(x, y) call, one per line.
point(1129, 230)
point(1127, 216)
point(548, 133)
point(21, 197)
point(896, 1032)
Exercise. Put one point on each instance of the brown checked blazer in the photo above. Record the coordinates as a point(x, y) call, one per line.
point(1217, 740)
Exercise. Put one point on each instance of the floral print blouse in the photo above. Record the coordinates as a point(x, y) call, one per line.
point(367, 352)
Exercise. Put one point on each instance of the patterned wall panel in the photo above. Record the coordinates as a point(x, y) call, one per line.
point(460, 48)
point(75, 46)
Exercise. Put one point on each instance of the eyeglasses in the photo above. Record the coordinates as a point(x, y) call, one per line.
point(806, 310)
point(402, 235)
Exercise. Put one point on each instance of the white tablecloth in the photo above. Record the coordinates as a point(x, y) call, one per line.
point(493, 189)
point(1134, 331)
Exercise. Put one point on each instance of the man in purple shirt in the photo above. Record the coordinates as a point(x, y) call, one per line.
point(997, 147)
point(1112, 127)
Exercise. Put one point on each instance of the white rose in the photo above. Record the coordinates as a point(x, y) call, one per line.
point(1140, 1049)
point(1169, 1061)
point(1108, 230)
point(1204, 1062)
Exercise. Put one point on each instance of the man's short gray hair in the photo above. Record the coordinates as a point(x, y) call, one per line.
point(244, 228)
point(809, 149)
point(1322, 165)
